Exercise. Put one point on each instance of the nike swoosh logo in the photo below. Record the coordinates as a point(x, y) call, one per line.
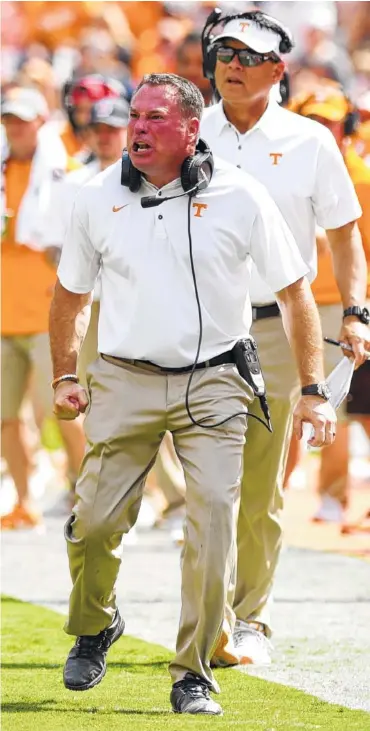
point(115, 209)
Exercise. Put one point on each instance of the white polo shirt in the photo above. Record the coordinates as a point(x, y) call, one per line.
point(148, 306)
point(62, 198)
point(302, 168)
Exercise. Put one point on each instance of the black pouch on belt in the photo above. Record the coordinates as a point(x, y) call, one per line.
point(247, 362)
point(248, 365)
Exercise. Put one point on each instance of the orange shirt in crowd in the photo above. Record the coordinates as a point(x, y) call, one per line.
point(27, 279)
point(324, 287)
point(55, 23)
point(361, 142)
point(70, 141)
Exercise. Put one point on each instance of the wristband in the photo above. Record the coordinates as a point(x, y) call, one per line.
point(68, 377)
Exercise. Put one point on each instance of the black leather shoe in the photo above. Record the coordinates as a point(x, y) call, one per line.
point(191, 695)
point(86, 662)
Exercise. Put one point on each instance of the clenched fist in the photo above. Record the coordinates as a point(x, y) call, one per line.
point(70, 400)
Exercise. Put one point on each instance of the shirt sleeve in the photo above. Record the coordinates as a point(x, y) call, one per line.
point(334, 199)
point(80, 262)
point(273, 248)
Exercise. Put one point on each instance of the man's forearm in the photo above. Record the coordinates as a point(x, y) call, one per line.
point(68, 322)
point(303, 329)
point(349, 263)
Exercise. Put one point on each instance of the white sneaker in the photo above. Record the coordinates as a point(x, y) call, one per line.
point(330, 511)
point(252, 646)
point(225, 654)
point(173, 522)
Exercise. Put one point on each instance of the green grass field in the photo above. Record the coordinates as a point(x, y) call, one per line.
point(134, 694)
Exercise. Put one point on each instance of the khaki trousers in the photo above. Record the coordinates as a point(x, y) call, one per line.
point(172, 492)
point(259, 534)
point(131, 409)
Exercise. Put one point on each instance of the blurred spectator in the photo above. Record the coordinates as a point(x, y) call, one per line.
point(39, 73)
point(79, 97)
point(190, 64)
point(354, 20)
point(329, 106)
point(30, 165)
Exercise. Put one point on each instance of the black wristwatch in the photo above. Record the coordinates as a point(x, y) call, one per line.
point(317, 389)
point(362, 313)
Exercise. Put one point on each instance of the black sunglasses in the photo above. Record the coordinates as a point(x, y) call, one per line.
point(246, 57)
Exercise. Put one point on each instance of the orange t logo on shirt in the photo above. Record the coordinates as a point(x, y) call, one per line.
point(275, 156)
point(199, 207)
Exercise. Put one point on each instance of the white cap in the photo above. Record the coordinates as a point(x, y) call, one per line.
point(251, 34)
point(27, 104)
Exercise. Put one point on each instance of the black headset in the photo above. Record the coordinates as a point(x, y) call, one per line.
point(350, 122)
point(196, 170)
point(216, 18)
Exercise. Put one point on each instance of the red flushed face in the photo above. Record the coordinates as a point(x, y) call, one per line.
point(159, 135)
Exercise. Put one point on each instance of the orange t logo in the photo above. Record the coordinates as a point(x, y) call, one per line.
point(199, 207)
point(243, 26)
point(276, 157)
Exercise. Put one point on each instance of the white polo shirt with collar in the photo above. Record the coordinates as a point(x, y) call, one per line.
point(148, 305)
point(62, 197)
point(299, 162)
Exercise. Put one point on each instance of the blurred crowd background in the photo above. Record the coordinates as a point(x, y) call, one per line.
point(45, 45)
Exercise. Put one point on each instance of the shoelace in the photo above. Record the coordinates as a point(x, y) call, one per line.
point(87, 645)
point(196, 689)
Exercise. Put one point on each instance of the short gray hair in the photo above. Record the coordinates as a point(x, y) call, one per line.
point(190, 99)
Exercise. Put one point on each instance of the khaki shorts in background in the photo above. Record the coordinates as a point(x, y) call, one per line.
point(24, 358)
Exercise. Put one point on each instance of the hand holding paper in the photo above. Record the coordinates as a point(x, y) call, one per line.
point(339, 382)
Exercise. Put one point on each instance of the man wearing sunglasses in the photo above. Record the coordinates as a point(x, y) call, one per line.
point(299, 163)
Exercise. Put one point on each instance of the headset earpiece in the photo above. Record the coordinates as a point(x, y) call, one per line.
point(211, 62)
point(351, 122)
point(196, 170)
point(130, 176)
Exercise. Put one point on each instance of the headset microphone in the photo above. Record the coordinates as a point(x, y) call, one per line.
point(150, 201)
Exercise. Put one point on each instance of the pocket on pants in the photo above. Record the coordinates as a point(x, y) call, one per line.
point(68, 530)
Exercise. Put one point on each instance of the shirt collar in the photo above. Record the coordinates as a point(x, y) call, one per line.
point(173, 185)
point(267, 123)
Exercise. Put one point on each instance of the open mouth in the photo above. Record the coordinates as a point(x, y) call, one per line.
point(140, 146)
point(235, 82)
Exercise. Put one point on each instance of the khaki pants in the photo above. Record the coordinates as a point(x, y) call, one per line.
point(23, 357)
point(131, 408)
point(259, 534)
point(89, 352)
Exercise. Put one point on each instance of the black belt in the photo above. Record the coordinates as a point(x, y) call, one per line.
point(261, 313)
point(216, 361)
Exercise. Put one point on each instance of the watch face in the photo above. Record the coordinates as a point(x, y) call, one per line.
point(366, 316)
point(324, 391)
